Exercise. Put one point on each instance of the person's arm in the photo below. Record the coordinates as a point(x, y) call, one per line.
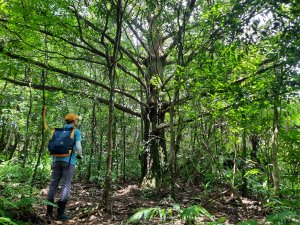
point(78, 146)
point(46, 127)
point(78, 149)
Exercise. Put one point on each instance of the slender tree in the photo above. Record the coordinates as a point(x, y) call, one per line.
point(112, 64)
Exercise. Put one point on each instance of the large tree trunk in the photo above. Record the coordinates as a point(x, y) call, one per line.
point(151, 162)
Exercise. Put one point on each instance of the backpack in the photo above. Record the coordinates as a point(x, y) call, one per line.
point(62, 142)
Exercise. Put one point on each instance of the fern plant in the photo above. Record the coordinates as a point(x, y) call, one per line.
point(10, 172)
point(187, 215)
point(285, 217)
point(6, 221)
point(190, 214)
point(249, 222)
point(17, 199)
point(17, 196)
point(283, 211)
point(148, 214)
point(14, 173)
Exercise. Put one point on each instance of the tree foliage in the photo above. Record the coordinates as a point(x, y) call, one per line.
point(177, 88)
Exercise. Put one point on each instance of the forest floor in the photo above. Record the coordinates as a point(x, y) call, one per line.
point(84, 205)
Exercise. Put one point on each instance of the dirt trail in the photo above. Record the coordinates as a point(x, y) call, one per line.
point(84, 205)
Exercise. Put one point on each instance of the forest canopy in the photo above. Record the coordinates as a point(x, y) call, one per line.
point(168, 91)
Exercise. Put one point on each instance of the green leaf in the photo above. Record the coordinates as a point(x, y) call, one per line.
point(252, 172)
point(8, 221)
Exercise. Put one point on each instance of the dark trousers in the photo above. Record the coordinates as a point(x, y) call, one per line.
point(61, 171)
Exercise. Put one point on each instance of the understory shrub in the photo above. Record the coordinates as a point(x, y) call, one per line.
point(17, 196)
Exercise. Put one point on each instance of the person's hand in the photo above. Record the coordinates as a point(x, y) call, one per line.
point(44, 109)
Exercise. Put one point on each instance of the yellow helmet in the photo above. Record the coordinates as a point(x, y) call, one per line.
point(71, 117)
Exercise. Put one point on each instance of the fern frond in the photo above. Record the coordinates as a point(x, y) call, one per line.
point(6, 220)
point(191, 213)
point(284, 217)
point(144, 214)
point(249, 222)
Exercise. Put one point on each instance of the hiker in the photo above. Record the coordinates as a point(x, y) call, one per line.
point(63, 169)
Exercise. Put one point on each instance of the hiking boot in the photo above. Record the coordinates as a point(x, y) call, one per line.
point(49, 212)
point(61, 211)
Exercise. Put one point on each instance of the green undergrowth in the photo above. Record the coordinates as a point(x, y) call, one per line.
point(281, 211)
point(17, 195)
point(197, 215)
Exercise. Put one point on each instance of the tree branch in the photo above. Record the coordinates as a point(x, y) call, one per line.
point(137, 36)
point(68, 91)
point(187, 14)
point(111, 40)
point(70, 74)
